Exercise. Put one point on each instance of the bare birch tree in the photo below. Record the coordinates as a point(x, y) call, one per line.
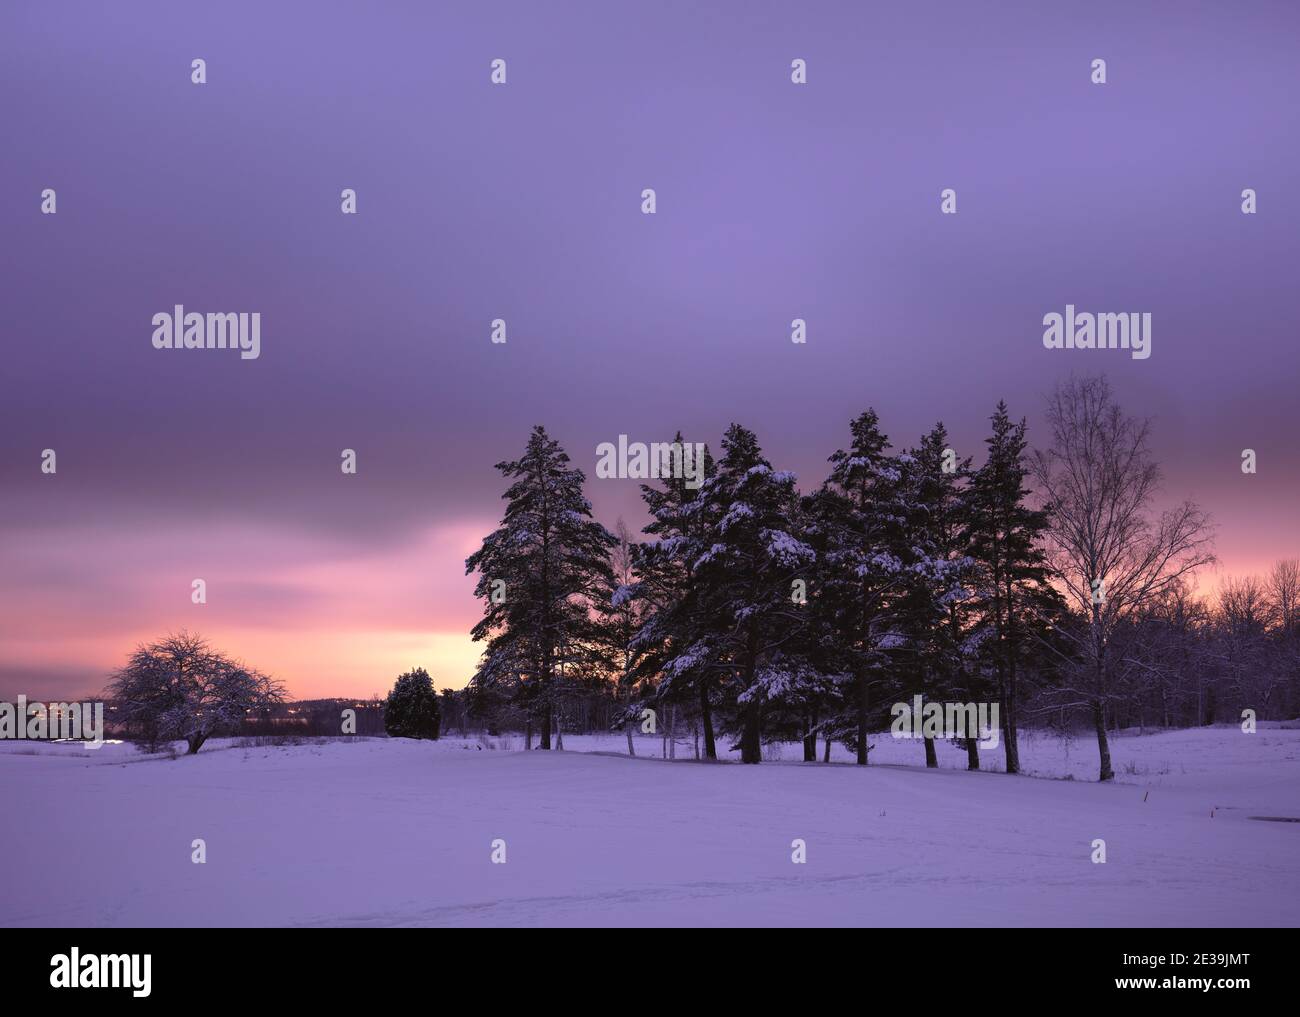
point(1111, 552)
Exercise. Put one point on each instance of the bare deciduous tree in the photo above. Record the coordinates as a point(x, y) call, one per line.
point(1243, 653)
point(1110, 551)
point(1282, 588)
point(181, 688)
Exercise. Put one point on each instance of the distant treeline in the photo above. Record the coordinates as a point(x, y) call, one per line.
point(309, 718)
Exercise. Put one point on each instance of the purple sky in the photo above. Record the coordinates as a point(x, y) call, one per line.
point(522, 202)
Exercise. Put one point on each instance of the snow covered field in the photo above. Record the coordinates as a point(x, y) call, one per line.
point(380, 832)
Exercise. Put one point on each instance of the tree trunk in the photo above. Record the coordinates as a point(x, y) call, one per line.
point(751, 743)
point(1009, 743)
point(546, 728)
point(559, 734)
point(1010, 740)
point(931, 760)
point(862, 719)
point(528, 735)
point(1103, 747)
point(631, 749)
point(810, 739)
point(195, 743)
point(706, 718)
point(972, 754)
point(751, 736)
point(826, 751)
point(1099, 702)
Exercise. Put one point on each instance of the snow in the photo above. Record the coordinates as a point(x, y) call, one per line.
point(708, 556)
point(394, 832)
point(786, 549)
point(686, 660)
point(738, 511)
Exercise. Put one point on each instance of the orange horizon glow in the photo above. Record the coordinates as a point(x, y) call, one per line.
point(328, 619)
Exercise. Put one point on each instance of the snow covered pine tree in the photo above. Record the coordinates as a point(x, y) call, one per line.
point(668, 591)
point(412, 710)
point(538, 574)
point(860, 519)
point(746, 615)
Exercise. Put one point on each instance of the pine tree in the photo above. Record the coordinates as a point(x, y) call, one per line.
point(861, 526)
point(620, 613)
point(823, 513)
point(538, 574)
point(744, 579)
point(1005, 537)
point(932, 608)
point(668, 594)
point(412, 709)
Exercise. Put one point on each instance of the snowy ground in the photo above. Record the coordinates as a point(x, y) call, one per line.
point(379, 832)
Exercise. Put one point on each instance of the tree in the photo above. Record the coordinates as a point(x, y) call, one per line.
point(412, 709)
point(1173, 637)
point(747, 619)
point(1282, 588)
point(935, 607)
point(1245, 654)
point(538, 577)
point(859, 520)
point(1014, 591)
point(1283, 591)
point(621, 613)
point(670, 598)
point(181, 688)
point(1108, 550)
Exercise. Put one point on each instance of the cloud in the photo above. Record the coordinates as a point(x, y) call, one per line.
point(320, 612)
